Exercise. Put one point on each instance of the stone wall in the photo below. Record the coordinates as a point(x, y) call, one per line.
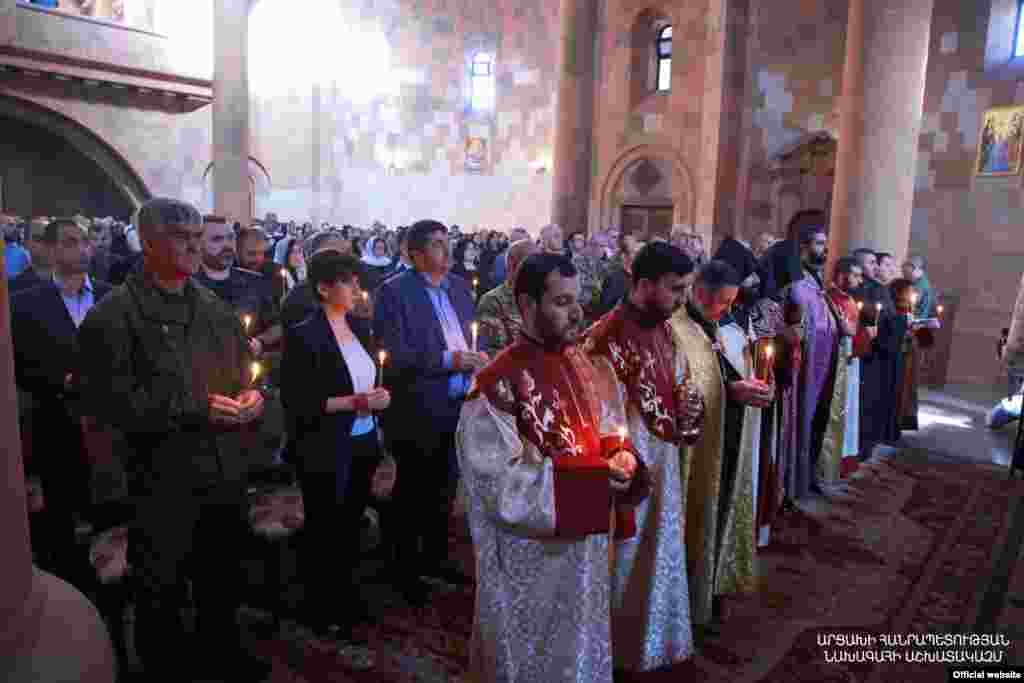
point(968, 227)
point(404, 155)
point(41, 175)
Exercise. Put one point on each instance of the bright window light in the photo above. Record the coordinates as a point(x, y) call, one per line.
point(1018, 48)
point(333, 46)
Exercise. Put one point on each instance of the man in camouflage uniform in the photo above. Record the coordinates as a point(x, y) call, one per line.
point(166, 362)
point(591, 275)
point(497, 312)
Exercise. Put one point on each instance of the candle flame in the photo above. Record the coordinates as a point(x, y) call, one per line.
point(382, 356)
point(622, 433)
point(769, 350)
point(878, 306)
point(940, 310)
point(256, 369)
point(284, 273)
point(247, 320)
point(860, 305)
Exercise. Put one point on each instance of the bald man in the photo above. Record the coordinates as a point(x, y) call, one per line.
point(497, 312)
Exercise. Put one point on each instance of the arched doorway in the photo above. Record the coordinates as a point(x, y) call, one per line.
point(647, 191)
point(52, 165)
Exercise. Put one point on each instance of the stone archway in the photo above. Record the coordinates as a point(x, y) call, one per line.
point(118, 169)
point(260, 186)
point(647, 176)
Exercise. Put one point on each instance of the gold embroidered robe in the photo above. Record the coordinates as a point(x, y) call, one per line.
point(720, 548)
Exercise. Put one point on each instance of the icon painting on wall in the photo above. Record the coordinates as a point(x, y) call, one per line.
point(476, 154)
point(999, 147)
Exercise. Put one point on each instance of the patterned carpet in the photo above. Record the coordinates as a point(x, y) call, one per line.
point(911, 544)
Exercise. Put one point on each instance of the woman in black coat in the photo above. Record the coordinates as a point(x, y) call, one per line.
point(329, 391)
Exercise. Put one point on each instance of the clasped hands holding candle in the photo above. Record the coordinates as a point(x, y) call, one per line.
point(622, 465)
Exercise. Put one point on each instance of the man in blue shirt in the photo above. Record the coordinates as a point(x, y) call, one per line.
point(424, 320)
point(16, 258)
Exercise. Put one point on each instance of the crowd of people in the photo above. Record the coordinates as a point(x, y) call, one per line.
point(626, 418)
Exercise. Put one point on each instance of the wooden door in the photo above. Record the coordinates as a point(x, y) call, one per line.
point(647, 221)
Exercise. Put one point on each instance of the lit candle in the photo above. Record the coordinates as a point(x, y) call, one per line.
point(256, 369)
point(475, 327)
point(382, 356)
point(622, 437)
point(913, 306)
point(860, 306)
point(939, 310)
point(247, 320)
point(476, 282)
point(769, 352)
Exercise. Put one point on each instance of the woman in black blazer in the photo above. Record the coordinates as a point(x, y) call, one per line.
point(329, 390)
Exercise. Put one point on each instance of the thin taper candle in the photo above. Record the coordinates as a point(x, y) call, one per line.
point(475, 327)
point(382, 356)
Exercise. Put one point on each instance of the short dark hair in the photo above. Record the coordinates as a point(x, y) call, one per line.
point(899, 286)
point(882, 254)
point(533, 274)
point(859, 254)
point(657, 259)
point(320, 239)
point(846, 264)
point(163, 212)
point(329, 267)
point(715, 275)
point(808, 232)
point(420, 231)
point(51, 233)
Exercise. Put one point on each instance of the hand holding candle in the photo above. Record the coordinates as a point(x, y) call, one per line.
point(382, 356)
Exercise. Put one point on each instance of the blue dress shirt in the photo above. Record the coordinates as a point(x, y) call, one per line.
point(16, 259)
point(454, 337)
point(78, 305)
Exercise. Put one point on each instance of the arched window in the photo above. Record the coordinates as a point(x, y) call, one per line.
point(663, 49)
point(481, 86)
point(1018, 37)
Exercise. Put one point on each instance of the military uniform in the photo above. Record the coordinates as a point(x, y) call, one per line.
point(589, 270)
point(499, 317)
point(149, 359)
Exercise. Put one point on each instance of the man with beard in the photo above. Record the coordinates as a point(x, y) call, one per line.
point(549, 478)
point(854, 343)
point(881, 367)
point(248, 293)
point(717, 469)
point(816, 378)
point(635, 349)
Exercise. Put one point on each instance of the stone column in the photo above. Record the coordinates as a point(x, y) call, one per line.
point(231, 111)
point(574, 125)
point(879, 122)
point(48, 630)
point(317, 101)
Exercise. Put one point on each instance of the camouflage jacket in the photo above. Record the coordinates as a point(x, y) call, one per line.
point(590, 274)
point(148, 360)
point(499, 319)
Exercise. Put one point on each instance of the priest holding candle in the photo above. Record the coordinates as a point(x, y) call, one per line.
point(854, 343)
point(717, 470)
point(634, 348)
point(543, 463)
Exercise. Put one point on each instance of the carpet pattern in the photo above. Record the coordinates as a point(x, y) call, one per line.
point(910, 544)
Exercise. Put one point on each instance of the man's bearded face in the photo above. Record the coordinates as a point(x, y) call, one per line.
point(559, 315)
point(218, 246)
point(667, 295)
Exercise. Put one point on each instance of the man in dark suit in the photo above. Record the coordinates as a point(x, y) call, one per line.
point(422, 319)
point(44, 324)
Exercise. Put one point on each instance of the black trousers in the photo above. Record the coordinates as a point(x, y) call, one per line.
point(428, 476)
point(182, 535)
point(329, 549)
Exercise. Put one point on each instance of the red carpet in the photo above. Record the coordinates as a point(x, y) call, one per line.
point(909, 545)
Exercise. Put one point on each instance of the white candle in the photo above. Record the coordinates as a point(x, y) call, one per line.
point(247, 320)
point(382, 356)
point(475, 327)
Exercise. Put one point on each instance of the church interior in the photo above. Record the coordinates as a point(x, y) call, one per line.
point(726, 118)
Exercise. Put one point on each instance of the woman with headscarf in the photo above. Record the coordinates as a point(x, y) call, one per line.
point(377, 264)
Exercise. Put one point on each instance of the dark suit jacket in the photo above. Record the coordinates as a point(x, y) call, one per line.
point(45, 351)
point(312, 371)
point(43, 335)
point(406, 326)
point(26, 280)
